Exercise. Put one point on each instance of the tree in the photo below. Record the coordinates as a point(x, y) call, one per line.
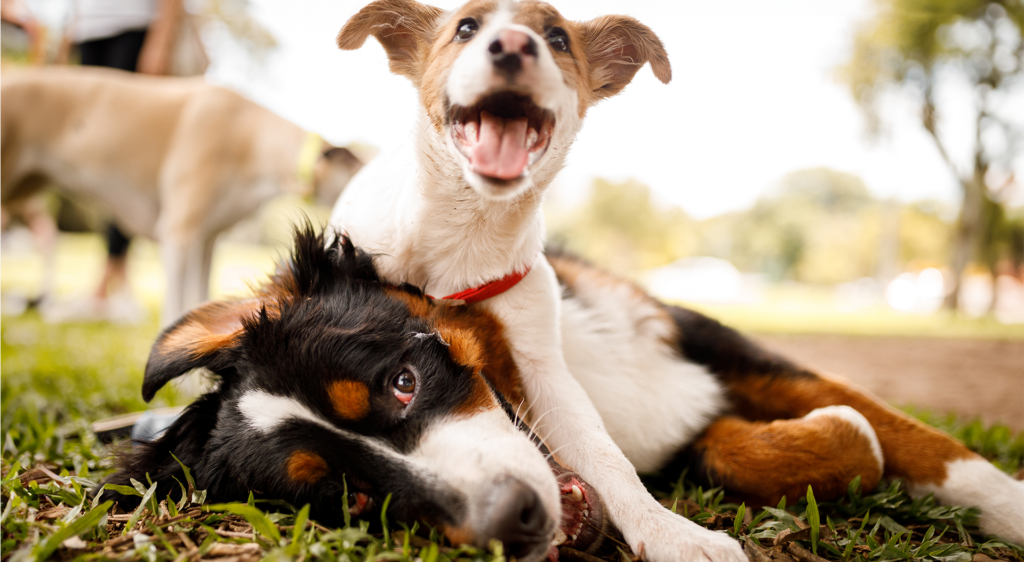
point(818, 226)
point(923, 48)
point(623, 228)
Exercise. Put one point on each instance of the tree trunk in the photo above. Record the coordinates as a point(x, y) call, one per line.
point(968, 229)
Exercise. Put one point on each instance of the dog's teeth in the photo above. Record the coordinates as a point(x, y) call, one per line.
point(586, 513)
point(574, 537)
point(472, 131)
point(559, 538)
point(531, 137)
point(577, 494)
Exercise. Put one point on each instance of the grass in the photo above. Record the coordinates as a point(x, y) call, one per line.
point(802, 309)
point(57, 378)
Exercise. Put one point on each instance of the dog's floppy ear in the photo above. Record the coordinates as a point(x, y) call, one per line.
point(201, 338)
point(616, 47)
point(404, 27)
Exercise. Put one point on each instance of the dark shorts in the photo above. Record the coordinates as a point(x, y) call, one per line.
point(120, 51)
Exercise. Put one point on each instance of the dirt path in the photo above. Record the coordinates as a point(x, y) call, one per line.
point(968, 377)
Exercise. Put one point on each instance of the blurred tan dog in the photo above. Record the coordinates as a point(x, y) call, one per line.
point(175, 159)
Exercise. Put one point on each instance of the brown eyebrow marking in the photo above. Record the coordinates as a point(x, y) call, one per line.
point(464, 347)
point(306, 467)
point(350, 399)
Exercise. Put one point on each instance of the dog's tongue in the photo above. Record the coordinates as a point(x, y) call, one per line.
point(501, 150)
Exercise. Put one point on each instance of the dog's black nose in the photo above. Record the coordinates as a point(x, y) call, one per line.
point(511, 50)
point(509, 63)
point(518, 519)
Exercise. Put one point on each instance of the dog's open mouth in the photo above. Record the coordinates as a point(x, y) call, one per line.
point(502, 135)
point(582, 513)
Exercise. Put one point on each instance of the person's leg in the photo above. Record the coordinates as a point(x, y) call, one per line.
point(122, 52)
point(115, 272)
point(124, 49)
point(93, 53)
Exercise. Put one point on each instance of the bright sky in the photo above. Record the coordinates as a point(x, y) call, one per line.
point(754, 96)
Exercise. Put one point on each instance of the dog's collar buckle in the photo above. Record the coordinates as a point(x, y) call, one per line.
point(485, 291)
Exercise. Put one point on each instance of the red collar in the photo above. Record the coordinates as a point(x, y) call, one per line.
point(487, 290)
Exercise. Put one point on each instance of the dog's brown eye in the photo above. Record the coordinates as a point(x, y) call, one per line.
point(558, 39)
point(467, 29)
point(404, 386)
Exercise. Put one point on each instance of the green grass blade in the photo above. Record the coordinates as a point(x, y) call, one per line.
point(254, 516)
point(139, 487)
point(853, 540)
point(300, 525)
point(344, 502)
point(123, 490)
point(81, 525)
point(384, 521)
point(814, 520)
point(188, 473)
point(138, 511)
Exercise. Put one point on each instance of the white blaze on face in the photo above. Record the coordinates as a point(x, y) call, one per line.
point(472, 454)
point(264, 412)
point(469, 454)
point(508, 149)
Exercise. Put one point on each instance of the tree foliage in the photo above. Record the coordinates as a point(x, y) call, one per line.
point(817, 226)
point(622, 227)
point(920, 49)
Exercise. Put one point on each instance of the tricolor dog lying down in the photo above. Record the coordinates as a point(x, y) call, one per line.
point(330, 374)
point(504, 87)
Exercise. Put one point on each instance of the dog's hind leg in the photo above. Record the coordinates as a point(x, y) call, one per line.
point(762, 386)
point(763, 461)
point(928, 460)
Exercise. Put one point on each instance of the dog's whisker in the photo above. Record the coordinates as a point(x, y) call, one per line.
point(552, 453)
point(535, 425)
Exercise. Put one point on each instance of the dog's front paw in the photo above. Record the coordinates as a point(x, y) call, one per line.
point(673, 538)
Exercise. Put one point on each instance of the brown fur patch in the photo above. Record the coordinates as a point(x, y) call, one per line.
point(417, 305)
point(764, 461)
point(485, 349)
point(463, 346)
point(540, 17)
point(405, 28)
point(480, 398)
point(207, 329)
point(350, 399)
point(306, 467)
point(441, 57)
point(912, 450)
point(476, 340)
point(459, 535)
point(616, 48)
point(467, 350)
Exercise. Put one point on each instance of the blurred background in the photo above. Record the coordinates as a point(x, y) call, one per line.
point(843, 180)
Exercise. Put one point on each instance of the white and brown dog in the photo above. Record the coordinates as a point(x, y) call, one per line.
point(174, 159)
point(504, 87)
